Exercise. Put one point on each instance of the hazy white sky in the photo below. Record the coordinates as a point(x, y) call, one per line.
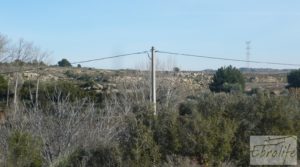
point(80, 30)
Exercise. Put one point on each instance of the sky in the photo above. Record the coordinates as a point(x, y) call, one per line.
point(89, 29)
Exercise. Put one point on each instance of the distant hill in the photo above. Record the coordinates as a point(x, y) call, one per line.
point(264, 70)
point(251, 70)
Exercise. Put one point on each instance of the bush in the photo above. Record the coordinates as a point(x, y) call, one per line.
point(3, 87)
point(227, 79)
point(294, 79)
point(51, 91)
point(214, 128)
point(64, 63)
point(57, 91)
point(166, 134)
point(28, 90)
point(176, 69)
point(137, 143)
point(106, 156)
point(206, 137)
point(185, 109)
point(261, 115)
point(24, 150)
point(201, 130)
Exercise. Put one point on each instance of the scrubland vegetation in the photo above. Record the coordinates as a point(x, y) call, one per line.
point(60, 124)
point(67, 127)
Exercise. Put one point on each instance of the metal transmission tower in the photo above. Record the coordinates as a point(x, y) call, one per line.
point(248, 48)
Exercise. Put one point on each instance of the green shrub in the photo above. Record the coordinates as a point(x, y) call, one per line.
point(185, 109)
point(64, 63)
point(54, 92)
point(106, 156)
point(138, 145)
point(206, 138)
point(3, 87)
point(294, 79)
point(166, 133)
point(28, 90)
point(70, 74)
point(261, 114)
point(24, 150)
point(227, 79)
point(201, 130)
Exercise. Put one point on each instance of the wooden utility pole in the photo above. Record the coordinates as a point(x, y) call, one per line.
point(153, 78)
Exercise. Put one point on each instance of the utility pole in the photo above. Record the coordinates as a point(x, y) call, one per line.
point(153, 78)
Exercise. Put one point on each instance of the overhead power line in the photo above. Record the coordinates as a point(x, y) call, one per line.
point(226, 59)
point(78, 62)
point(157, 51)
point(110, 57)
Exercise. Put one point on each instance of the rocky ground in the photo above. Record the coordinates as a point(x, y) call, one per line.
point(107, 80)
